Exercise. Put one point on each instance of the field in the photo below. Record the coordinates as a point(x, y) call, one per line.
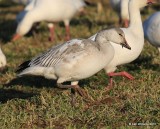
point(35, 102)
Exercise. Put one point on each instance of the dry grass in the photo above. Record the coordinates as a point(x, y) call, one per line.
point(35, 102)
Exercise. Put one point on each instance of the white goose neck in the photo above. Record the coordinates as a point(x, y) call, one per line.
point(135, 17)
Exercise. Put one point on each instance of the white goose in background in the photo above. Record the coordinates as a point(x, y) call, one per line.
point(76, 59)
point(151, 28)
point(121, 7)
point(51, 11)
point(135, 38)
point(2, 60)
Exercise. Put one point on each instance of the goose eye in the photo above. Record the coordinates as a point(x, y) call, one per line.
point(120, 34)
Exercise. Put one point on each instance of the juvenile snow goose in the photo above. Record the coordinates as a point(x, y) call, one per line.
point(51, 11)
point(134, 36)
point(76, 59)
point(151, 28)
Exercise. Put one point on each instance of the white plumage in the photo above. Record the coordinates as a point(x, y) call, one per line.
point(75, 59)
point(151, 28)
point(134, 36)
point(48, 10)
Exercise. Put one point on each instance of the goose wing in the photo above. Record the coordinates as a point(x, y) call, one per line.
point(70, 51)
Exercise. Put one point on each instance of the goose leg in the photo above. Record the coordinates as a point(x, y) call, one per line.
point(73, 96)
point(124, 74)
point(74, 88)
point(67, 32)
point(51, 30)
point(110, 86)
point(67, 27)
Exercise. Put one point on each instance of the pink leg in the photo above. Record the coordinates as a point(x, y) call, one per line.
point(67, 32)
point(51, 36)
point(124, 74)
point(110, 86)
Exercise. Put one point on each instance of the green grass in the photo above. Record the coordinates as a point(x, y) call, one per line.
point(35, 102)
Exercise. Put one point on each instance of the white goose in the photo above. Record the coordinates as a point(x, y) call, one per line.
point(51, 11)
point(2, 60)
point(151, 28)
point(134, 36)
point(121, 7)
point(76, 59)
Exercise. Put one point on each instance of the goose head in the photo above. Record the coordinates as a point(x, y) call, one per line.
point(25, 25)
point(115, 35)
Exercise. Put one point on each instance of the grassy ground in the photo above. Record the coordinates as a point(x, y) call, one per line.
point(35, 102)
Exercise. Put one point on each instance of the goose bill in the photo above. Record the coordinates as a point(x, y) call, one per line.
point(125, 44)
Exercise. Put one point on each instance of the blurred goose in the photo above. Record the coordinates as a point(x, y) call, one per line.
point(121, 7)
point(124, 15)
point(51, 11)
point(2, 60)
point(134, 36)
point(151, 28)
point(76, 59)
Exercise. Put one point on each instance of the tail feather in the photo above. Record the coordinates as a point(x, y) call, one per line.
point(23, 66)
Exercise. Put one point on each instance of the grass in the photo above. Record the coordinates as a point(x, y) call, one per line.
point(35, 102)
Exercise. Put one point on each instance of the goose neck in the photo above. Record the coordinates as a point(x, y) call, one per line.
point(134, 14)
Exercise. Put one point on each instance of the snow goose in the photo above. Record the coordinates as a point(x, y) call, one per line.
point(151, 28)
point(51, 11)
point(121, 7)
point(134, 36)
point(2, 60)
point(76, 59)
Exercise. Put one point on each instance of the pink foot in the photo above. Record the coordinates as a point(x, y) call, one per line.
point(124, 74)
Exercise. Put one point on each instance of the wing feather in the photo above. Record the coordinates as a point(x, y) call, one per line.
point(56, 54)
